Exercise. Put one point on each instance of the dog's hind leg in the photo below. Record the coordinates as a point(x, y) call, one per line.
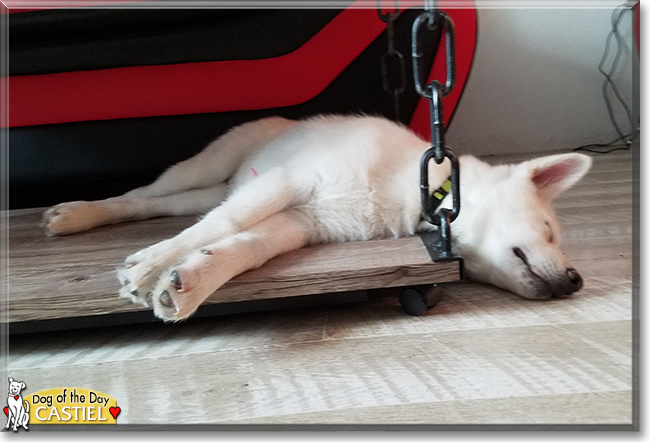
point(266, 195)
point(25, 416)
point(197, 184)
point(183, 288)
point(78, 216)
point(218, 161)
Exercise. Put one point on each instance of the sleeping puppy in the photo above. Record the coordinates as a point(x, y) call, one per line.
point(275, 185)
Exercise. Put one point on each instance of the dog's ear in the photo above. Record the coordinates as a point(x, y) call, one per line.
point(554, 174)
point(22, 386)
point(11, 380)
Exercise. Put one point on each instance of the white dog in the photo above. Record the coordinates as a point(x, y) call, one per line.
point(276, 185)
point(17, 408)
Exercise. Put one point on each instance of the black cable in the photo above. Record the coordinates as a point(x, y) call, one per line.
point(615, 19)
point(608, 75)
point(587, 147)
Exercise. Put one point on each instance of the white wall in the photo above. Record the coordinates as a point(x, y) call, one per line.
point(535, 84)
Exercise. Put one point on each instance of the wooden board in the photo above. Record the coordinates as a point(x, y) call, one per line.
point(72, 276)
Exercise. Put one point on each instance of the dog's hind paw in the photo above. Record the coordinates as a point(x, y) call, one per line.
point(67, 218)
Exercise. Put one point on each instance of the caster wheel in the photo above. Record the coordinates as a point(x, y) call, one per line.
point(413, 301)
point(416, 301)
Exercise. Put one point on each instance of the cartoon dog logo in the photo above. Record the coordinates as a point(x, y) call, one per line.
point(17, 409)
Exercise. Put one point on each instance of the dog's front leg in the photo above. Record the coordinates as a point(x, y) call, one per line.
point(204, 270)
point(15, 419)
point(266, 195)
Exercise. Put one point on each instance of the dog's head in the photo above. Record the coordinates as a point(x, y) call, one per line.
point(15, 387)
point(507, 231)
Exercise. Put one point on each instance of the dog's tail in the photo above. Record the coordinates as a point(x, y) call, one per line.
point(26, 406)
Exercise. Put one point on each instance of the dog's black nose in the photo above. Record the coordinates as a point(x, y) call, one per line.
point(575, 278)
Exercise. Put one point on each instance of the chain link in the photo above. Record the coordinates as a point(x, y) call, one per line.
point(393, 69)
point(450, 48)
point(384, 16)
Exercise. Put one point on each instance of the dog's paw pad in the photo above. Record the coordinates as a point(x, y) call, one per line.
point(166, 299)
point(165, 305)
point(129, 290)
point(134, 295)
point(172, 298)
point(176, 281)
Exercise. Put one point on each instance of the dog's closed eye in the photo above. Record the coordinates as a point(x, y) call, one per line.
point(520, 254)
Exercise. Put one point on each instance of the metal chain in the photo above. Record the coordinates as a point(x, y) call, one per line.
point(393, 70)
point(384, 16)
point(434, 91)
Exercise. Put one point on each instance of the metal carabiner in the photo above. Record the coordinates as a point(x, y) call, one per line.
point(425, 196)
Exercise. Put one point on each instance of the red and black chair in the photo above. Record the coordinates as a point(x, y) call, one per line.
point(103, 100)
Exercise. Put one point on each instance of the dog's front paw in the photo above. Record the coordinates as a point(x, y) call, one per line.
point(184, 287)
point(176, 297)
point(67, 218)
point(143, 269)
point(137, 292)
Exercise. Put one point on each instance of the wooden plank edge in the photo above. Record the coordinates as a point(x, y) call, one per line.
point(249, 290)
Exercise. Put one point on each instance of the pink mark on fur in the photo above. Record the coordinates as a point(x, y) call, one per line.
point(254, 172)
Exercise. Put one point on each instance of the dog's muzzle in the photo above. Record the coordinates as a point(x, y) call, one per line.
point(560, 287)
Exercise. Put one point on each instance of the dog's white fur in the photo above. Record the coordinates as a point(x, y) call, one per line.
point(18, 409)
point(276, 185)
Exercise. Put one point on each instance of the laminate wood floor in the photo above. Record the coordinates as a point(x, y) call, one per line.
point(481, 356)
